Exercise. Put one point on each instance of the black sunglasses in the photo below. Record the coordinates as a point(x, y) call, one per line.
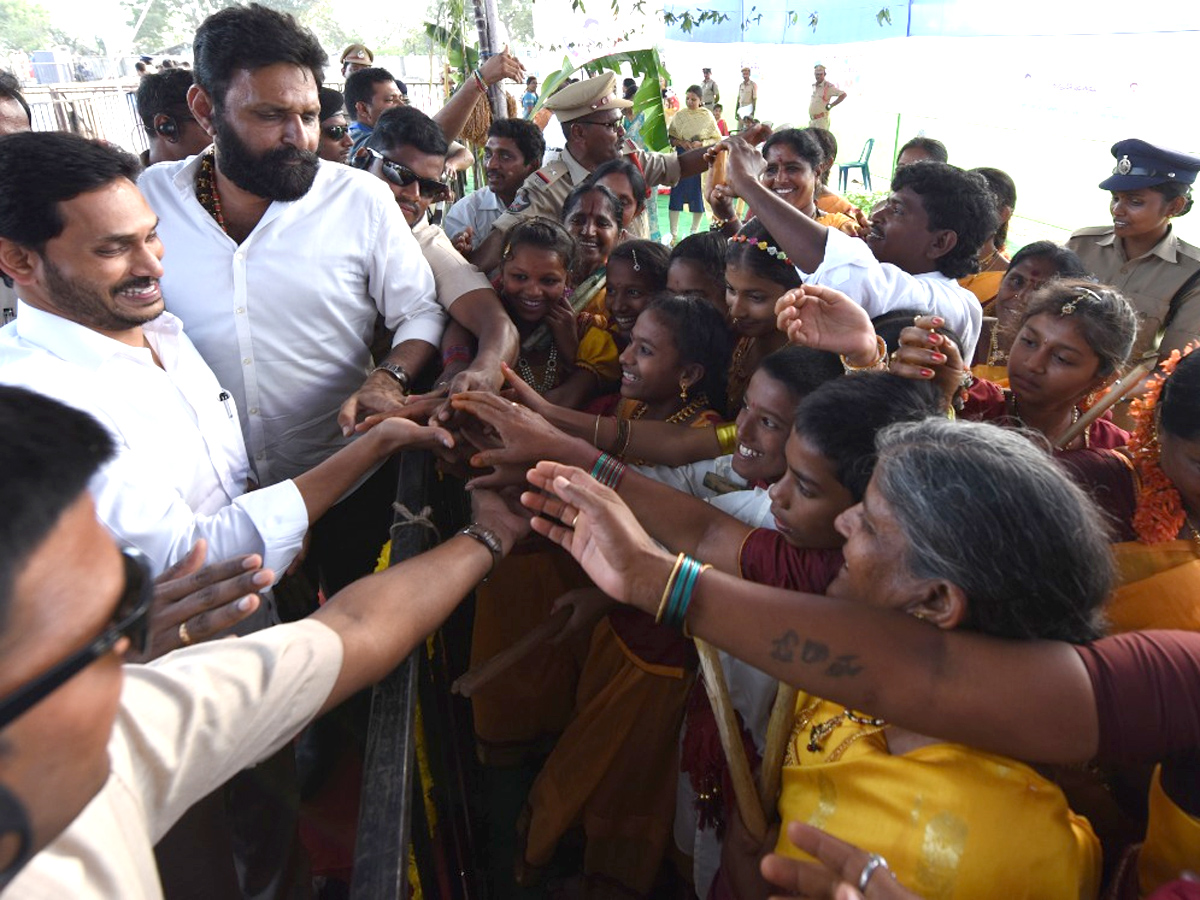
point(130, 620)
point(400, 174)
point(336, 132)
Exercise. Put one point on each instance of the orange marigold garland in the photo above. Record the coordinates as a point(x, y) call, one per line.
point(1160, 514)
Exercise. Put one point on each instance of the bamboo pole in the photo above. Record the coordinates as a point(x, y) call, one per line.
point(1135, 377)
point(779, 732)
point(478, 676)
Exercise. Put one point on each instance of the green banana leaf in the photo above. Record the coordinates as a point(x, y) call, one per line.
point(462, 57)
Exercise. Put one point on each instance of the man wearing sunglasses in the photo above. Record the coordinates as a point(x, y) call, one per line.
point(407, 151)
point(171, 130)
point(335, 131)
point(97, 759)
point(591, 117)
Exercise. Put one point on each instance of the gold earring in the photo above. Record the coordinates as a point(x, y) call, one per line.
point(683, 392)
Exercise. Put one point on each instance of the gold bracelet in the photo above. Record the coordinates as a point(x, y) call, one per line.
point(727, 437)
point(662, 604)
point(881, 355)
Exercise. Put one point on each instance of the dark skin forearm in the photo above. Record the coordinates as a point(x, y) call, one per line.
point(693, 162)
point(800, 236)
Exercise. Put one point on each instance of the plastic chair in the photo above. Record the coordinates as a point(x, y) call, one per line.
point(862, 163)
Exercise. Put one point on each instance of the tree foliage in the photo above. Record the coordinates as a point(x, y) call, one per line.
point(26, 25)
point(169, 23)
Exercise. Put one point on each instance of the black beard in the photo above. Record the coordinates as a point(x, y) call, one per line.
point(285, 173)
point(84, 303)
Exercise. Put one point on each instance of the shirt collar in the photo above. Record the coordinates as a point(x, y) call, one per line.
point(578, 173)
point(82, 346)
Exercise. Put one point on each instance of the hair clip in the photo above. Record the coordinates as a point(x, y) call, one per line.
point(1068, 308)
point(773, 252)
point(633, 253)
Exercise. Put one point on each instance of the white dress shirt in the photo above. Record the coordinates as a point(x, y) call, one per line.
point(478, 210)
point(286, 318)
point(850, 267)
point(180, 470)
point(187, 723)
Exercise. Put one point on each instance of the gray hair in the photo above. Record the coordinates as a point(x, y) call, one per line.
point(986, 509)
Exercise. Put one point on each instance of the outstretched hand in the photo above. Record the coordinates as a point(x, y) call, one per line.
point(207, 600)
point(823, 318)
point(835, 876)
point(928, 356)
point(595, 526)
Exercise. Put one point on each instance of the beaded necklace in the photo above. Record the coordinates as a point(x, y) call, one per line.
point(206, 189)
point(549, 377)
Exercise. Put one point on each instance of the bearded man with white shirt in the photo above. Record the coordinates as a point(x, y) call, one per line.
point(280, 265)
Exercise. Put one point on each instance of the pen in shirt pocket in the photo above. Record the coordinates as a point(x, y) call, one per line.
point(225, 398)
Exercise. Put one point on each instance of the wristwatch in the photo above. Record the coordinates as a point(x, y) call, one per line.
point(396, 372)
point(489, 539)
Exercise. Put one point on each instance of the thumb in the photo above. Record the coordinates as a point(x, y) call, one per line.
point(191, 562)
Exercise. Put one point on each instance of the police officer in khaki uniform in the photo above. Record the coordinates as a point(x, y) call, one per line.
point(1138, 253)
point(590, 113)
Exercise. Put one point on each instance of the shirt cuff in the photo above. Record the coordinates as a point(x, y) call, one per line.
point(279, 514)
point(426, 328)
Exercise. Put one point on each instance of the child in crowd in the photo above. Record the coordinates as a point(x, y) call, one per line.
point(636, 272)
point(698, 268)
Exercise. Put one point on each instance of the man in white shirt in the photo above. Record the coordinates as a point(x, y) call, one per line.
point(925, 238)
point(85, 257)
point(513, 152)
point(100, 759)
point(280, 265)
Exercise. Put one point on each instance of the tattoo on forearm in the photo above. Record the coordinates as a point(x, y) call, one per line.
point(783, 649)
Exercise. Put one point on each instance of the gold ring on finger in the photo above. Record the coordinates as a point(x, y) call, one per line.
point(184, 637)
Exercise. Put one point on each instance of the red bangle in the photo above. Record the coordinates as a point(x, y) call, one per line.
point(479, 83)
point(458, 353)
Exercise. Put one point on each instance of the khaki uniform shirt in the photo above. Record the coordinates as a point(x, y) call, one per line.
point(1148, 282)
point(747, 96)
point(452, 274)
point(710, 94)
point(545, 191)
point(822, 95)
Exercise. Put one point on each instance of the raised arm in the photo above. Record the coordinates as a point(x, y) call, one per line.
point(454, 116)
point(1030, 700)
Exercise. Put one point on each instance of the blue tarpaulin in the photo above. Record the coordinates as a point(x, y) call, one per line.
point(785, 22)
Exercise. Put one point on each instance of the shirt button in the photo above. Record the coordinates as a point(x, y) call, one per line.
point(254, 410)
point(260, 455)
point(240, 311)
point(246, 361)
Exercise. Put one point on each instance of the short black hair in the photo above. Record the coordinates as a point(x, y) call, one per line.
point(878, 399)
point(49, 454)
point(360, 87)
point(802, 143)
point(588, 187)
point(527, 136)
point(1004, 190)
point(957, 201)
point(163, 92)
point(743, 250)
point(707, 250)
point(10, 89)
point(41, 169)
point(622, 166)
point(1179, 402)
point(407, 125)
point(651, 258)
point(1067, 263)
point(251, 37)
point(931, 147)
point(801, 369)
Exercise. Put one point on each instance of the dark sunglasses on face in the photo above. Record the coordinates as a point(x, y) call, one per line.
point(131, 619)
point(336, 132)
point(399, 174)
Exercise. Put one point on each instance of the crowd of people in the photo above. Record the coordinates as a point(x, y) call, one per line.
point(860, 566)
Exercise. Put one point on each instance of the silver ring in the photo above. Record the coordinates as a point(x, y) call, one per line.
point(874, 861)
point(184, 637)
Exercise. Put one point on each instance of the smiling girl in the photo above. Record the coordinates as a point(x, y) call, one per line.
point(636, 272)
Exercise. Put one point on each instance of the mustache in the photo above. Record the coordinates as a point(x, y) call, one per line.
point(281, 155)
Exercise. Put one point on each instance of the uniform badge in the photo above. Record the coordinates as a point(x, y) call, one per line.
point(1124, 166)
point(520, 202)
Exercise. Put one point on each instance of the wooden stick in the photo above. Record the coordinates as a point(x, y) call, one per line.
point(718, 170)
point(1135, 377)
point(477, 676)
point(744, 791)
point(779, 732)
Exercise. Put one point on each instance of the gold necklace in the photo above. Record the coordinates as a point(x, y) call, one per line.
point(821, 731)
point(549, 377)
point(1016, 411)
point(996, 356)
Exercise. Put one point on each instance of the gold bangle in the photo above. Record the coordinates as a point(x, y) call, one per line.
point(662, 604)
point(881, 355)
point(727, 437)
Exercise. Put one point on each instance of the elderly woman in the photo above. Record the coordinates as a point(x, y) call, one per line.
point(1037, 568)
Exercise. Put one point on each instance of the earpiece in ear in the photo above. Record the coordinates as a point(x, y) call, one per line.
point(167, 127)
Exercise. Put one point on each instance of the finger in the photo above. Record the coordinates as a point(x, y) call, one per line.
point(549, 506)
point(186, 566)
point(348, 415)
point(555, 531)
point(207, 625)
point(170, 591)
point(790, 300)
point(846, 860)
point(798, 878)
